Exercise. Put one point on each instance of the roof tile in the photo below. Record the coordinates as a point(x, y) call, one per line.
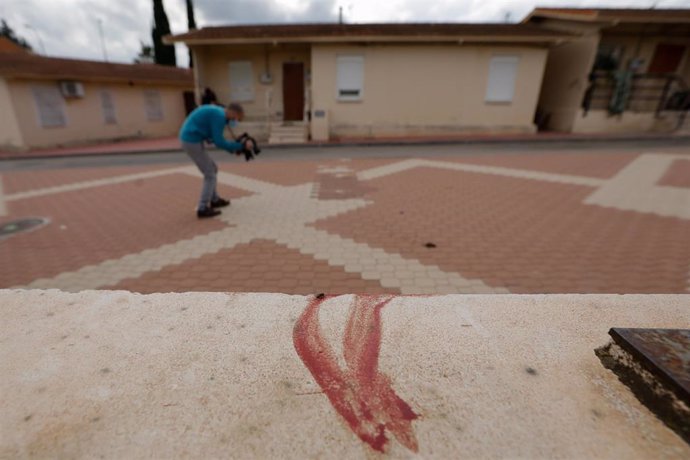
point(31, 65)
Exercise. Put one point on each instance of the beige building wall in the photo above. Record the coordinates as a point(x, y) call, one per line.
point(566, 77)
point(565, 81)
point(85, 116)
point(213, 71)
point(424, 89)
point(10, 134)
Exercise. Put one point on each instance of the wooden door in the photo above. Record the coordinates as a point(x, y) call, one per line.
point(666, 58)
point(293, 91)
point(189, 101)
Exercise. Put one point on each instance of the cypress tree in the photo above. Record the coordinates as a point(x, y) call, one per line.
point(191, 24)
point(164, 54)
point(7, 32)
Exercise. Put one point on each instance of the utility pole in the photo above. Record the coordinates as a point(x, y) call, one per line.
point(100, 30)
point(340, 15)
point(38, 36)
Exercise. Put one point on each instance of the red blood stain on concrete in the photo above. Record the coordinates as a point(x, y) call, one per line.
point(361, 394)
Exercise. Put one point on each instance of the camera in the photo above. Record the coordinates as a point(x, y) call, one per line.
point(248, 154)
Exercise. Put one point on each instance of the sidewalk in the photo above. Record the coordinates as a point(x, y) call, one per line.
point(170, 144)
point(228, 375)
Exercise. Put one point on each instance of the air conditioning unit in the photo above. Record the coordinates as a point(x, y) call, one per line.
point(72, 89)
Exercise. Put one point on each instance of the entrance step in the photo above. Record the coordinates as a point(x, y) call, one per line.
point(289, 133)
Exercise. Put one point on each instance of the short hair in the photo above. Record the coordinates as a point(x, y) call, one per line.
point(235, 107)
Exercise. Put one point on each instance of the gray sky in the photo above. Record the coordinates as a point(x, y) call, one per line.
point(69, 28)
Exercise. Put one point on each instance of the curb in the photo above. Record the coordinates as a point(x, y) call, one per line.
point(381, 143)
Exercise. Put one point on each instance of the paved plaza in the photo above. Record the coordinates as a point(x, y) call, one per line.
point(585, 221)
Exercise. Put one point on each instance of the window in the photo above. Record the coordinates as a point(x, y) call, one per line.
point(50, 106)
point(241, 81)
point(154, 108)
point(350, 77)
point(502, 74)
point(108, 108)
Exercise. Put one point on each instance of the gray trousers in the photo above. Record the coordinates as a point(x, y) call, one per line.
point(208, 168)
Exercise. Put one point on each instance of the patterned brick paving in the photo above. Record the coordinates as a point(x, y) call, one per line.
point(678, 175)
point(296, 172)
point(525, 235)
point(22, 181)
point(102, 223)
point(581, 164)
point(523, 223)
point(255, 267)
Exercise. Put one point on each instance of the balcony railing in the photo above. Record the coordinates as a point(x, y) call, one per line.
point(638, 93)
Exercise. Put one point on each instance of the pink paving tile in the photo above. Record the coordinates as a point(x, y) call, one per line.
point(677, 175)
point(593, 164)
point(90, 226)
point(260, 266)
point(525, 235)
point(22, 181)
point(290, 173)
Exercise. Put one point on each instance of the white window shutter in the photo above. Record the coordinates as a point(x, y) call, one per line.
point(502, 76)
point(108, 107)
point(50, 106)
point(154, 107)
point(350, 77)
point(241, 81)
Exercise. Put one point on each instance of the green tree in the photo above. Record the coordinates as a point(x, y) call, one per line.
point(164, 54)
point(191, 25)
point(145, 55)
point(7, 32)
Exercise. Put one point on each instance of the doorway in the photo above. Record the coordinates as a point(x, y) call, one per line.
point(666, 58)
point(293, 91)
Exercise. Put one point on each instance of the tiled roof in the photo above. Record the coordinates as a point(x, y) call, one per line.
point(380, 32)
point(8, 46)
point(616, 14)
point(34, 66)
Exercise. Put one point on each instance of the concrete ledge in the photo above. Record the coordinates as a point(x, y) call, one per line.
point(209, 375)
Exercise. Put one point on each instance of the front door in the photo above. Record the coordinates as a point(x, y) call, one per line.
point(293, 91)
point(666, 58)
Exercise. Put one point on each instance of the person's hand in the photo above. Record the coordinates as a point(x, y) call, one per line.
point(249, 145)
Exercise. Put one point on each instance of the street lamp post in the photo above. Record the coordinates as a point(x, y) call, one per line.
point(100, 29)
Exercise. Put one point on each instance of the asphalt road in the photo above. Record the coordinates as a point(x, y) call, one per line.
point(349, 151)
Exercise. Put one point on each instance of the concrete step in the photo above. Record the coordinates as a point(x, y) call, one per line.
point(282, 139)
point(289, 134)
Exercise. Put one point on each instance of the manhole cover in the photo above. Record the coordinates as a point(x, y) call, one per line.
point(19, 226)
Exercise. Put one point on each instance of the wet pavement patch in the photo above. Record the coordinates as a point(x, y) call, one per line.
point(19, 226)
point(655, 365)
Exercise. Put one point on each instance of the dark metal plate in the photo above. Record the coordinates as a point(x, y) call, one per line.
point(663, 352)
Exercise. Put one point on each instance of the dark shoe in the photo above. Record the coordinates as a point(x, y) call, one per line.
point(207, 212)
point(220, 203)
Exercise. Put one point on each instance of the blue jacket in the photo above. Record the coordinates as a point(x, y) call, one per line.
point(207, 122)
